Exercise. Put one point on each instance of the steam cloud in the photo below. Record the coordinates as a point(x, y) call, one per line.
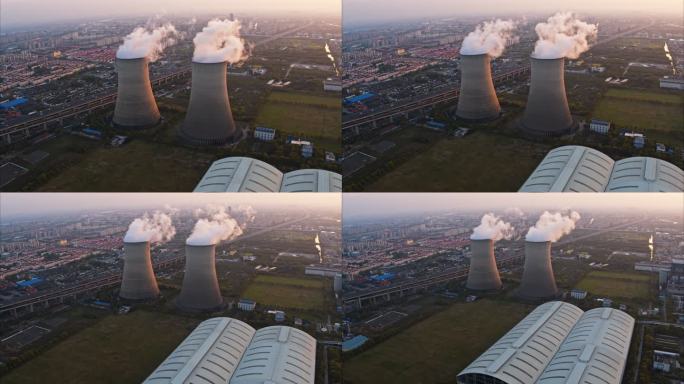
point(552, 226)
point(157, 228)
point(563, 35)
point(144, 42)
point(492, 228)
point(218, 225)
point(490, 37)
point(219, 41)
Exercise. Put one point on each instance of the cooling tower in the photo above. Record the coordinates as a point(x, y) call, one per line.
point(537, 280)
point(200, 289)
point(483, 274)
point(138, 282)
point(477, 99)
point(209, 119)
point(547, 112)
point(135, 104)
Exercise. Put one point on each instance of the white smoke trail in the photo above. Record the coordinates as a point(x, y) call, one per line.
point(156, 228)
point(147, 42)
point(490, 37)
point(563, 35)
point(219, 41)
point(552, 226)
point(216, 225)
point(492, 228)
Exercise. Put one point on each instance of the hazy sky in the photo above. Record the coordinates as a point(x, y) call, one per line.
point(22, 12)
point(13, 204)
point(365, 12)
point(357, 205)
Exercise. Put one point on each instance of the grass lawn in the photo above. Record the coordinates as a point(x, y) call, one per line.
point(288, 292)
point(614, 284)
point(302, 114)
point(436, 349)
point(659, 113)
point(117, 349)
point(477, 162)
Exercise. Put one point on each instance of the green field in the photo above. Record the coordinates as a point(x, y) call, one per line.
point(643, 110)
point(615, 284)
point(117, 349)
point(303, 114)
point(477, 162)
point(436, 349)
point(288, 292)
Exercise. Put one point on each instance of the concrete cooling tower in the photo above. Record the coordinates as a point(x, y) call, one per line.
point(538, 281)
point(138, 282)
point(209, 120)
point(200, 290)
point(135, 104)
point(483, 274)
point(547, 112)
point(477, 100)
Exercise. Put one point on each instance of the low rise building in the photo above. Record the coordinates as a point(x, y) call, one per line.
point(599, 126)
point(264, 133)
point(246, 305)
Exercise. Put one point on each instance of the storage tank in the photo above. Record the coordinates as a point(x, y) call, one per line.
point(477, 99)
point(547, 112)
point(138, 281)
point(200, 290)
point(483, 273)
point(135, 104)
point(209, 119)
point(538, 281)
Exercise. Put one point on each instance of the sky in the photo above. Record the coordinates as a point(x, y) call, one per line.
point(14, 204)
point(25, 12)
point(361, 205)
point(357, 13)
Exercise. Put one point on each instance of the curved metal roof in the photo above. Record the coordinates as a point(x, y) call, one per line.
point(209, 354)
point(570, 168)
point(240, 174)
point(575, 168)
point(524, 352)
point(278, 355)
point(311, 180)
point(645, 174)
point(595, 351)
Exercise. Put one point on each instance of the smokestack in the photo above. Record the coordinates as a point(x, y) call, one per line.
point(547, 112)
point(483, 274)
point(477, 100)
point(135, 104)
point(538, 281)
point(138, 282)
point(209, 120)
point(200, 290)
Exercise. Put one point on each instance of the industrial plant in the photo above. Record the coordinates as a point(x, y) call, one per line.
point(477, 99)
point(538, 281)
point(200, 290)
point(135, 104)
point(138, 281)
point(483, 273)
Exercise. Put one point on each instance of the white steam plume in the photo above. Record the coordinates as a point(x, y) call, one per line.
point(219, 41)
point(147, 42)
point(552, 226)
point(156, 228)
point(514, 212)
point(490, 37)
point(563, 35)
point(217, 225)
point(492, 228)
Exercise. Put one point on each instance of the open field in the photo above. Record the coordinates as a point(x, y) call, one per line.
point(615, 284)
point(288, 292)
point(117, 349)
point(477, 162)
point(651, 111)
point(302, 114)
point(436, 349)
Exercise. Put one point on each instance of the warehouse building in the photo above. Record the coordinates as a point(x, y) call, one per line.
point(557, 343)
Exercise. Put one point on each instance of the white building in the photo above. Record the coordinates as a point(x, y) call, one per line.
point(264, 133)
point(333, 85)
point(246, 305)
point(578, 294)
point(599, 126)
